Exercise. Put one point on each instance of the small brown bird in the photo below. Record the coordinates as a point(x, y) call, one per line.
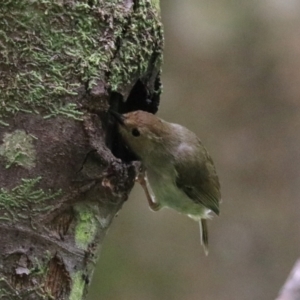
point(179, 172)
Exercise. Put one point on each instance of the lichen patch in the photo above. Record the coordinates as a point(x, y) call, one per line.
point(77, 286)
point(15, 203)
point(18, 149)
point(86, 227)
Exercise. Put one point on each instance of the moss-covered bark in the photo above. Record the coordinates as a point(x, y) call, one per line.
point(63, 173)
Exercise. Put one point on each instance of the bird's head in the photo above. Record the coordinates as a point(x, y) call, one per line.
point(142, 131)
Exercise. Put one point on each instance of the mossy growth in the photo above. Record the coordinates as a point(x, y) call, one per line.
point(50, 49)
point(33, 269)
point(18, 148)
point(156, 4)
point(140, 46)
point(8, 293)
point(86, 226)
point(25, 201)
point(40, 267)
point(78, 285)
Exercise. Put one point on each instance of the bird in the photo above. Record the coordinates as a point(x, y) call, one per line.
point(177, 171)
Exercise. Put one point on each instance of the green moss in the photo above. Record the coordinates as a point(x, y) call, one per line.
point(156, 4)
point(6, 293)
point(86, 227)
point(18, 148)
point(141, 45)
point(37, 273)
point(42, 75)
point(24, 201)
point(41, 267)
point(51, 48)
point(78, 285)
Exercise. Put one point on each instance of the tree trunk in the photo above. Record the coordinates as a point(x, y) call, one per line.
point(64, 173)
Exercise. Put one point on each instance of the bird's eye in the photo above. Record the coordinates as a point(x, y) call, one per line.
point(135, 132)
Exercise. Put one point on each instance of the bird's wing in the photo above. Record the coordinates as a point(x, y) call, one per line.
point(197, 177)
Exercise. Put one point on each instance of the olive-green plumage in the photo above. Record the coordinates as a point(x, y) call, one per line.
point(179, 171)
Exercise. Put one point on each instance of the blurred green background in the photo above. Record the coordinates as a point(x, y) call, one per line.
point(232, 75)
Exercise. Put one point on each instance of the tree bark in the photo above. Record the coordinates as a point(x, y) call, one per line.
point(64, 173)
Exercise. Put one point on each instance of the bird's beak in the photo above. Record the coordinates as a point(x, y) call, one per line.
point(118, 117)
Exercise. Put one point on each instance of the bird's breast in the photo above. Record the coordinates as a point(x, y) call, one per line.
point(167, 194)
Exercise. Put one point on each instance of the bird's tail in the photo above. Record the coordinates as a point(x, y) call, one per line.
point(204, 235)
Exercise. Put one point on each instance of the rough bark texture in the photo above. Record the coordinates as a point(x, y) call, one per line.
point(63, 172)
point(291, 289)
